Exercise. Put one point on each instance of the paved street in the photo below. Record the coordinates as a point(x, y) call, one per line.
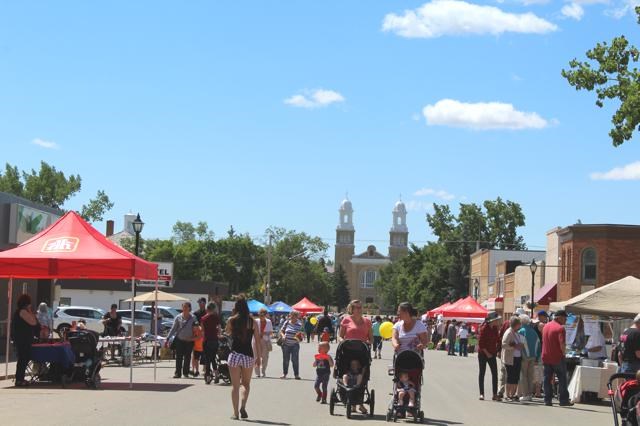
point(450, 398)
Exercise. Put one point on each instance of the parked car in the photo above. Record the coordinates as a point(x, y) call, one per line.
point(64, 316)
point(143, 318)
point(166, 312)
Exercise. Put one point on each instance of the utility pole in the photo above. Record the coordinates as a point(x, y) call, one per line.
point(267, 296)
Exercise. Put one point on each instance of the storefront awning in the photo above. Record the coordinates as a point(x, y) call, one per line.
point(546, 294)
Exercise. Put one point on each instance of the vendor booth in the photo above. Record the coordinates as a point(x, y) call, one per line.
point(466, 310)
point(617, 300)
point(280, 308)
point(72, 249)
point(306, 306)
point(433, 313)
point(255, 306)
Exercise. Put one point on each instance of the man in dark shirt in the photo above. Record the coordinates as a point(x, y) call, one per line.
point(202, 305)
point(210, 323)
point(112, 321)
point(487, 351)
point(631, 354)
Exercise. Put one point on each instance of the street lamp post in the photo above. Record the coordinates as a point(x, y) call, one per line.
point(533, 267)
point(137, 225)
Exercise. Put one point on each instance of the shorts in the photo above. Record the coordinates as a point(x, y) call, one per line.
point(513, 371)
point(240, 360)
point(197, 355)
point(538, 373)
point(377, 343)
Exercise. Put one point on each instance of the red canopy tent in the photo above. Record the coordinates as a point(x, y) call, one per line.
point(72, 249)
point(466, 310)
point(306, 306)
point(437, 311)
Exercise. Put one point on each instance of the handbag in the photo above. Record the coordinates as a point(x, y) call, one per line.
point(280, 340)
point(172, 339)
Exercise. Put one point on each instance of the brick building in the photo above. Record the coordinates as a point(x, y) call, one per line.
point(594, 255)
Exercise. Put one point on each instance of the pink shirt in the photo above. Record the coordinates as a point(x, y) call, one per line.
point(354, 331)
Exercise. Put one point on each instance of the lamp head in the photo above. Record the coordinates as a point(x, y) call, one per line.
point(533, 266)
point(137, 224)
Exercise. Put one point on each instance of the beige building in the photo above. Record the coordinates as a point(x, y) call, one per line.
point(363, 270)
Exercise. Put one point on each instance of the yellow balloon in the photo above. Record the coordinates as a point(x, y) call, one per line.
point(313, 320)
point(386, 330)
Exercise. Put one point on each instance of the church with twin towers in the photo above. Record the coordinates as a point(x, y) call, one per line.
point(363, 269)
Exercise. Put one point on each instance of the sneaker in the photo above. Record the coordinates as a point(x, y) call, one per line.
point(566, 404)
point(196, 374)
point(481, 398)
point(548, 404)
point(525, 399)
point(177, 376)
point(324, 401)
point(297, 377)
point(496, 398)
point(318, 398)
point(284, 376)
point(243, 413)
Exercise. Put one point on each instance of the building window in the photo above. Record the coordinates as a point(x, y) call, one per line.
point(368, 300)
point(589, 265)
point(367, 278)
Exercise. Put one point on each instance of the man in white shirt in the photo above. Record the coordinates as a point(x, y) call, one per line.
point(463, 335)
point(596, 347)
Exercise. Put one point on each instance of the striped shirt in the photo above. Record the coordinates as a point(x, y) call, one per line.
point(290, 332)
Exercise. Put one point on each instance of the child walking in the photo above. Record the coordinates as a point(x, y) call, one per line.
point(323, 364)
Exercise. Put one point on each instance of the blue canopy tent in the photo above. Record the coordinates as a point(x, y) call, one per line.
point(280, 308)
point(255, 306)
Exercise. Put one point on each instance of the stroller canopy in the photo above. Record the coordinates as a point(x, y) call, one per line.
point(349, 350)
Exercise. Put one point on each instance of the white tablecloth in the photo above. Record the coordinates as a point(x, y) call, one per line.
point(590, 379)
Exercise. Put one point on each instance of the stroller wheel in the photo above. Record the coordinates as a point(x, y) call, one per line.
point(332, 402)
point(388, 418)
point(348, 402)
point(372, 402)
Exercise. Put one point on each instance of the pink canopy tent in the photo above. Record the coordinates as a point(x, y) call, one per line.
point(468, 310)
point(306, 306)
point(72, 249)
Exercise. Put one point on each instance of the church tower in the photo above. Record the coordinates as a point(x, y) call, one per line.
point(399, 234)
point(345, 243)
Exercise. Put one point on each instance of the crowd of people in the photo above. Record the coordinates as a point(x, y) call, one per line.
point(531, 351)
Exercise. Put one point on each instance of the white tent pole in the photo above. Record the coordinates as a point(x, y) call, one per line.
point(155, 334)
point(6, 354)
point(133, 324)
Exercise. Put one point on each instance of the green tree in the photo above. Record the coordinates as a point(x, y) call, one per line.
point(340, 289)
point(50, 187)
point(439, 271)
point(611, 72)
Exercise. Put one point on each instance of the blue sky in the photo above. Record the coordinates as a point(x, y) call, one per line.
point(254, 114)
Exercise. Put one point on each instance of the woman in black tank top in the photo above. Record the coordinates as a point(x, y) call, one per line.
point(241, 327)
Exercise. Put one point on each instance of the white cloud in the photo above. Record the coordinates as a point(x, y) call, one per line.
point(414, 205)
point(481, 116)
point(454, 17)
point(439, 193)
point(45, 144)
point(573, 11)
point(628, 172)
point(314, 98)
point(626, 7)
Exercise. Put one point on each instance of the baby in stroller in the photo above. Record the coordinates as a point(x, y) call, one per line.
point(353, 377)
point(405, 387)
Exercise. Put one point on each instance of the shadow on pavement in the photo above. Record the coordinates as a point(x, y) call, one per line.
point(266, 422)
point(436, 422)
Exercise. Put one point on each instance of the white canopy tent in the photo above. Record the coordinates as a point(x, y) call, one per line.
point(619, 299)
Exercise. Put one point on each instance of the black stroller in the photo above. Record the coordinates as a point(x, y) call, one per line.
point(88, 361)
point(349, 350)
point(409, 362)
point(222, 355)
point(624, 391)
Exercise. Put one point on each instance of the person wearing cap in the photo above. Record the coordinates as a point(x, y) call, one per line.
point(553, 352)
point(487, 352)
point(631, 353)
point(202, 309)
